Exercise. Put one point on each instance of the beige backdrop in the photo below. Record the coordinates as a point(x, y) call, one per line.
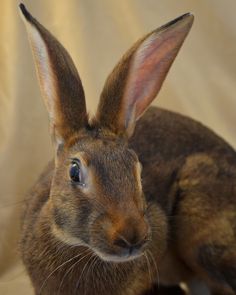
point(201, 84)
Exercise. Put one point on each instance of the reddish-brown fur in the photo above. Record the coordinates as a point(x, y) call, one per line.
point(181, 216)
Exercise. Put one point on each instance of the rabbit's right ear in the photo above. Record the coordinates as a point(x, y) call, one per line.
point(59, 80)
point(138, 77)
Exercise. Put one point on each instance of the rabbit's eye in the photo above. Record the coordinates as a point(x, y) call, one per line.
point(75, 172)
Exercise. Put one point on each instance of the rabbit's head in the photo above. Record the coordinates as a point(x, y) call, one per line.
point(96, 196)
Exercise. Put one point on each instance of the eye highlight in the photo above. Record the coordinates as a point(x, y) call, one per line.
point(75, 172)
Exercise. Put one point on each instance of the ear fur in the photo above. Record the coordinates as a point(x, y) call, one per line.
point(138, 77)
point(59, 80)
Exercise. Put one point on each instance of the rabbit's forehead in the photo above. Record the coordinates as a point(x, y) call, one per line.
point(101, 151)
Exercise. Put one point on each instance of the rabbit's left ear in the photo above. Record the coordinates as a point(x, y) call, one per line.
point(59, 80)
point(138, 77)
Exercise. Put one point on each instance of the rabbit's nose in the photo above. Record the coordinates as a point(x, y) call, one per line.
point(131, 237)
point(132, 245)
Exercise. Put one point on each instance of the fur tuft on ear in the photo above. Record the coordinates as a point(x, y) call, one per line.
point(59, 80)
point(138, 77)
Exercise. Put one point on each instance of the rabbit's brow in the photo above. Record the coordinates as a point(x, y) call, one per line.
point(103, 135)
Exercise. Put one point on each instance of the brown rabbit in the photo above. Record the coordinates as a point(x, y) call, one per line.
point(92, 226)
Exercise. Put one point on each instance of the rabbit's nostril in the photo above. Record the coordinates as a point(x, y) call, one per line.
point(145, 239)
point(129, 246)
point(120, 242)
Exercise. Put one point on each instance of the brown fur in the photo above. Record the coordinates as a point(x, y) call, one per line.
point(180, 219)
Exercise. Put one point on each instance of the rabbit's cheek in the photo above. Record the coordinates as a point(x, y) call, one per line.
point(71, 222)
point(60, 218)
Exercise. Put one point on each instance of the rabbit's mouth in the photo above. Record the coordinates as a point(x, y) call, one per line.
point(131, 255)
point(120, 252)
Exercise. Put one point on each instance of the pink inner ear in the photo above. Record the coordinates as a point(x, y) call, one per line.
point(149, 67)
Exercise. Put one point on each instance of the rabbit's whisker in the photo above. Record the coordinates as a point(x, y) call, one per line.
point(71, 268)
point(81, 274)
point(95, 267)
point(88, 273)
point(155, 265)
point(92, 270)
point(148, 266)
point(56, 269)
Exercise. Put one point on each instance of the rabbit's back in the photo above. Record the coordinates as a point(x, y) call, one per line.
point(166, 142)
point(168, 135)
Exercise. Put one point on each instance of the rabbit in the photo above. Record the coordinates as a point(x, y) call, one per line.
point(136, 196)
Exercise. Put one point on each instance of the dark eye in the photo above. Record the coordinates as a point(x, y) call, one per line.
point(75, 172)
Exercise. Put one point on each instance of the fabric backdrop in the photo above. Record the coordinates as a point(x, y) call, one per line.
point(201, 84)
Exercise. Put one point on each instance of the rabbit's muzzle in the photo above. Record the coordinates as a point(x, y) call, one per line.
point(120, 239)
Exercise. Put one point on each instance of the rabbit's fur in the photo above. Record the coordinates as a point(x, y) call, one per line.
point(111, 232)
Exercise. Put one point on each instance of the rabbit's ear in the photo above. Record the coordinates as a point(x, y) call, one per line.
point(59, 80)
point(138, 77)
